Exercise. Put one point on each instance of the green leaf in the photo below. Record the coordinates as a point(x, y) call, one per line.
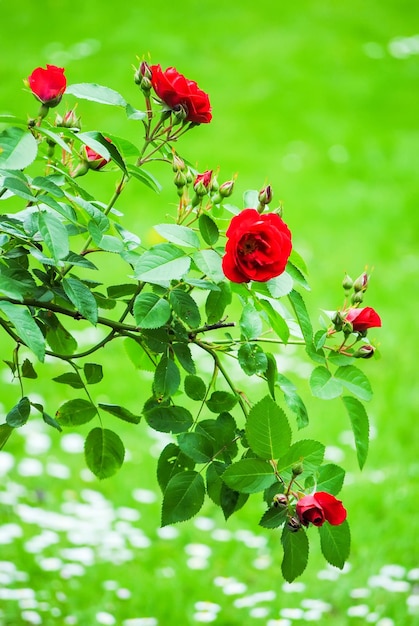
point(250, 322)
point(121, 412)
point(19, 414)
point(54, 234)
point(209, 262)
point(135, 114)
point(280, 286)
point(183, 498)
point(58, 337)
point(150, 311)
point(169, 419)
point(195, 387)
point(330, 478)
point(323, 385)
point(166, 379)
point(307, 452)
point(93, 373)
point(279, 325)
point(70, 378)
point(271, 373)
point(161, 264)
point(208, 229)
point(26, 328)
point(304, 322)
point(185, 307)
point(360, 427)
point(220, 401)
point(249, 475)
point(297, 276)
point(16, 283)
point(145, 177)
point(18, 187)
point(197, 446)
point(184, 356)
point(104, 452)
point(28, 370)
point(75, 412)
point(180, 235)
point(18, 148)
point(293, 400)
point(252, 359)
point(355, 381)
point(97, 142)
point(274, 517)
point(96, 93)
point(267, 429)
point(82, 298)
point(172, 461)
point(295, 545)
point(5, 432)
point(216, 303)
point(335, 543)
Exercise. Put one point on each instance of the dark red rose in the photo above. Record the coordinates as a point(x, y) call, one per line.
point(96, 161)
point(258, 247)
point(320, 507)
point(48, 85)
point(177, 91)
point(363, 319)
point(202, 183)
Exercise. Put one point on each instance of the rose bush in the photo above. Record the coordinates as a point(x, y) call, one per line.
point(258, 247)
point(214, 304)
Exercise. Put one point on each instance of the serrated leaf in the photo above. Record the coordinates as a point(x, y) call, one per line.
point(75, 412)
point(355, 381)
point(145, 177)
point(360, 427)
point(249, 475)
point(323, 385)
point(16, 283)
point(295, 545)
point(18, 187)
point(293, 400)
point(19, 414)
point(169, 419)
point(5, 432)
point(162, 263)
point(250, 322)
point(17, 148)
point(280, 285)
point(307, 452)
point(121, 412)
point(279, 325)
point(185, 307)
point(216, 303)
point(330, 479)
point(267, 429)
point(184, 356)
point(271, 373)
point(197, 446)
point(252, 359)
point(195, 387)
point(28, 370)
point(151, 311)
point(58, 337)
point(208, 229)
point(166, 379)
point(70, 378)
point(54, 234)
point(209, 262)
point(220, 401)
point(304, 322)
point(273, 517)
point(172, 461)
point(104, 452)
point(180, 235)
point(335, 543)
point(96, 93)
point(183, 497)
point(26, 328)
point(82, 298)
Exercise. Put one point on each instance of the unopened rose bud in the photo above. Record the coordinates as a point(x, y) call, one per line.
point(365, 351)
point(280, 500)
point(69, 120)
point(178, 164)
point(180, 179)
point(337, 321)
point(143, 72)
point(347, 282)
point(265, 195)
point(202, 183)
point(357, 297)
point(297, 469)
point(361, 282)
point(226, 189)
point(294, 524)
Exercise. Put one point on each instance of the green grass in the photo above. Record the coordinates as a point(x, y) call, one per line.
point(318, 99)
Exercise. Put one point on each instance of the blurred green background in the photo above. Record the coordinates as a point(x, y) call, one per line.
point(321, 101)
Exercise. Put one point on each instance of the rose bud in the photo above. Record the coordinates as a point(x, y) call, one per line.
point(294, 524)
point(347, 282)
point(95, 161)
point(226, 189)
point(202, 183)
point(363, 319)
point(265, 195)
point(280, 500)
point(69, 120)
point(175, 90)
point(319, 508)
point(258, 247)
point(361, 282)
point(365, 351)
point(48, 85)
point(357, 297)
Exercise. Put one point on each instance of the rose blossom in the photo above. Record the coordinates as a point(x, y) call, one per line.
point(363, 319)
point(48, 85)
point(258, 247)
point(177, 91)
point(320, 507)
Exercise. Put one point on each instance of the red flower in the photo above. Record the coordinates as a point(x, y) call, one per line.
point(202, 183)
point(48, 85)
point(177, 91)
point(96, 161)
point(258, 247)
point(363, 319)
point(320, 507)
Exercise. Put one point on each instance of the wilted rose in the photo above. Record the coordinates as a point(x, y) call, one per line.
point(258, 247)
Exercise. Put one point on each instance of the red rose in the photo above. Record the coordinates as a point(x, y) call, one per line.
point(363, 319)
point(177, 91)
point(258, 247)
point(96, 161)
point(320, 507)
point(202, 183)
point(48, 85)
